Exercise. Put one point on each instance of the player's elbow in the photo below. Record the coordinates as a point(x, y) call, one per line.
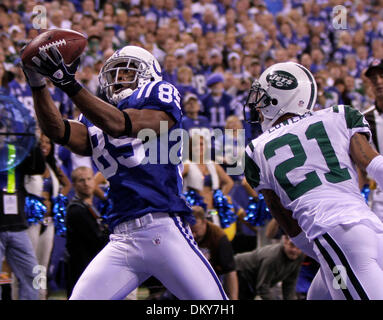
point(115, 130)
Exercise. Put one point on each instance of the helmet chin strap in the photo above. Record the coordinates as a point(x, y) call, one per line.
point(121, 95)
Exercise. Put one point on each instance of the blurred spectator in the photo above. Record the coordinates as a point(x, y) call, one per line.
point(19, 88)
point(344, 47)
point(342, 91)
point(169, 72)
point(88, 77)
point(255, 69)
point(230, 147)
point(362, 58)
point(216, 247)
point(352, 67)
point(15, 244)
point(184, 81)
point(325, 98)
point(58, 21)
point(47, 187)
point(86, 235)
point(376, 49)
point(235, 65)
point(260, 270)
point(303, 36)
point(355, 97)
point(180, 55)
point(192, 119)
point(215, 59)
point(360, 13)
point(209, 21)
point(280, 55)
point(93, 52)
point(216, 103)
point(286, 36)
point(318, 62)
point(202, 174)
point(187, 20)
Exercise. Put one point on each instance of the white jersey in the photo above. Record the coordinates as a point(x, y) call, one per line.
point(306, 161)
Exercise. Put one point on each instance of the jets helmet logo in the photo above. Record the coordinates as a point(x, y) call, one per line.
point(282, 80)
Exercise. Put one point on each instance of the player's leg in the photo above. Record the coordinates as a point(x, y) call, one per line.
point(111, 275)
point(350, 257)
point(179, 264)
point(318, 289)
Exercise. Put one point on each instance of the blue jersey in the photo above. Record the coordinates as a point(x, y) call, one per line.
point(23, 93)
point(200, 123)
point(217, 111)
point(137, 185)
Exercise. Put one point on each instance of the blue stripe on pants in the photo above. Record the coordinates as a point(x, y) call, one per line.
point(188, 238)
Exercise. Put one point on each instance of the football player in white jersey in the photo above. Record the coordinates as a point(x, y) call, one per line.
point(304, 165)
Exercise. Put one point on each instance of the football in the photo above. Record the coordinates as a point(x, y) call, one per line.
point(70, 43)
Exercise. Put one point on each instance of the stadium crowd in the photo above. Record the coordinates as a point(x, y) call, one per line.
point(211, 50)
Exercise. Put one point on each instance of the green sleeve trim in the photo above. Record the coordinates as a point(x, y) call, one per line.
point(252, 171)
point(354, 119)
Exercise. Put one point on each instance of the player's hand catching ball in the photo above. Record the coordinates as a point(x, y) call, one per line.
point(53, 67)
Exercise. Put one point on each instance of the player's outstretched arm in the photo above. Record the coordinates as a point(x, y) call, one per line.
point(102, 114)
point(113, 122)
point(361, 151)
point(53, 126)
point(366, 157)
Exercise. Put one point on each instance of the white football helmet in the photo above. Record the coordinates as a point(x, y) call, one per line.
point(114, 79)
point(286, 87)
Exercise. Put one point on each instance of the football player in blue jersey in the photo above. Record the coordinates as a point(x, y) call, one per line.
point(150, 218)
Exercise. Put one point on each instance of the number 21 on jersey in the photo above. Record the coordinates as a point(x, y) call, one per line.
point(317, 132)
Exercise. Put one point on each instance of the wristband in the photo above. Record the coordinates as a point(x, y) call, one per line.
point(38, 88)
point(64, 140)
point(128, 124)
point(71, 89)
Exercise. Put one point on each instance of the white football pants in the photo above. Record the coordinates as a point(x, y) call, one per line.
point(159, 245)
point(351, 260)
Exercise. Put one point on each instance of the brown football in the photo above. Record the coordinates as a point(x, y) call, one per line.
point(70, 43)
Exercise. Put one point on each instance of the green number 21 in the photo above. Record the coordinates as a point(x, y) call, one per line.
point(315, 131)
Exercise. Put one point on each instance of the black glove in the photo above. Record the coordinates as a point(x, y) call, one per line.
point(54, 68)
